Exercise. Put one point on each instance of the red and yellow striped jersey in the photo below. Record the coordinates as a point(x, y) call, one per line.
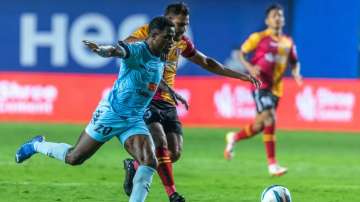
point(183, 47)
point(272, 54)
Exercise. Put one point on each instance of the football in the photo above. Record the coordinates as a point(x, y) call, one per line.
point(276, 193)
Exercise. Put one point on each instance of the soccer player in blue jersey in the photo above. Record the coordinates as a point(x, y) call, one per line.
point(120, 114)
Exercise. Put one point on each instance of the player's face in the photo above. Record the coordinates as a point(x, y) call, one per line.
point(181, 24)
point(275, 19)
point(164, 40)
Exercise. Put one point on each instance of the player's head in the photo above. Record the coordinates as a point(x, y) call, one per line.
point(161, 34)
point(275, 16)
point(178, 13)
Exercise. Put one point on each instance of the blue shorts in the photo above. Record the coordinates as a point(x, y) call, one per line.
point(106, 123)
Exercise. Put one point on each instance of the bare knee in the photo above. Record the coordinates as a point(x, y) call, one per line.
point(175, 142)
point(175, 156)
point(74, 159)
point(148, 161)
point(270, 120)
point(257, 127)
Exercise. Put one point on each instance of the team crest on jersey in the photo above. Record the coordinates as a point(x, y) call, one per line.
point(152, 86)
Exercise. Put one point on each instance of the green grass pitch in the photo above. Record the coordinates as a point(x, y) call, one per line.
point(323, 167)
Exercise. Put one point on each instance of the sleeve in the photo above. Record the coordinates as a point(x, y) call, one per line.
point(293, 58)
point(141, 33)
point(131, 50)
point(251, 43)
point(190, 49)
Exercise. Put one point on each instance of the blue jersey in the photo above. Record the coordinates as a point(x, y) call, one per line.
point(138, 79)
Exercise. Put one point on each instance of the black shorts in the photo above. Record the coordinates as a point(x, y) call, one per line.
point(164, 113)
point(264, 100)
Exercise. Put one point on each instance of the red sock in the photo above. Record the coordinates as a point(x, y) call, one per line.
point(164, 170)
point(269, 141)
point(244, 133)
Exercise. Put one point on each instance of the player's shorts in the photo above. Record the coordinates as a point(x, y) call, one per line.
point(265, 100)
point(165, 114)
point(105, 124)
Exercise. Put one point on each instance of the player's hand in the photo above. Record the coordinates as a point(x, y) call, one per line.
point(256, 82)
point(182, 100)
point(298, 79)
point(92, 46)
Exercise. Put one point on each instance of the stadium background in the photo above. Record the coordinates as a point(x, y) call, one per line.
point(49, 84)
point(48, 75)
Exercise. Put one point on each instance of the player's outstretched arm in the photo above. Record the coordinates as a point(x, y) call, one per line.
point(106, 50)
point(216, 67)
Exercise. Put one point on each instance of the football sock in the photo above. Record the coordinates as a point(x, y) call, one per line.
point(165, 170)
point(54, 150)
point(142, 181)
point(269, 141)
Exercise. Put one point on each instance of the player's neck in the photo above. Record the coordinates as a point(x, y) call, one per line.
point(177, 38)
point(275, 31)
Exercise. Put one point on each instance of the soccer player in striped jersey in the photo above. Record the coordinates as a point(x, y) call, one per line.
point(161, 117)
point(272, 52)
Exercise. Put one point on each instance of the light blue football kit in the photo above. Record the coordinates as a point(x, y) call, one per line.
point(121, 113)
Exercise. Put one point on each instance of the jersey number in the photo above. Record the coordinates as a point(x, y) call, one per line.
point(103, 130)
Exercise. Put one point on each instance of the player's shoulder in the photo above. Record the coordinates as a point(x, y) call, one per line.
point(144, 27)
point(133, 49)
point(288, 38)
point(186, 39)
point(187, 46)
point(141, 32)
point(257, 36)
point(136, 44)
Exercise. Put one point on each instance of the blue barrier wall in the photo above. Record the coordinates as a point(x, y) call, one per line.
point(327, 36)
point(46, 36)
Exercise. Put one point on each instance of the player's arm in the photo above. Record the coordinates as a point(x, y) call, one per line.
point(295, 66)
point(295, 72)
point(216, 67)
point(247, 47)
point(174, 95)
point(120, 50)
point(254, 70)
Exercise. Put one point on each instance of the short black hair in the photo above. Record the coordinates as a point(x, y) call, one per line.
point(179, 8)
point(160, 23)
point(274, 6)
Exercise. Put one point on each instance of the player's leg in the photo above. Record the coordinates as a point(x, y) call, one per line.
point(270, 144)
point(174, 134)
point(85, 147)
point(164, 169)
point(140, 147)
point(249, 130)
point(99, 130)
point(152, 115)
point(173, 130)
point(175, 144)
point(269, 135)
point(270, 103)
